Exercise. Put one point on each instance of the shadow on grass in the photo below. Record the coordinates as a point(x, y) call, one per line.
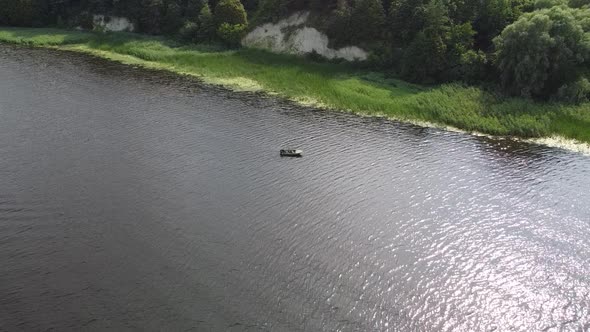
point(44, 36)
point(336, 71)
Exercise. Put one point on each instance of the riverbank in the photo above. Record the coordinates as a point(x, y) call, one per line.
point(327, 85)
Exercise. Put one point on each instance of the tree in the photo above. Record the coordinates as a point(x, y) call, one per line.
point(357, 22)
point(231, 12)
point(368, 21)
point(193, 8)
point(579, 3)
point(268, 11)
point(406, 19)
point(150, 16)
point(202, 28)
point(231, 34)
point(464, 63)
point(340, 28)
point(574, 92)
point(206, 23)
point(463, 11)
point(16, 12)
point(543, 51)
point(493, 17)
point(425, 58)
point(250, 5)
point(231, 20)
point(540, 4)
point(172, 18)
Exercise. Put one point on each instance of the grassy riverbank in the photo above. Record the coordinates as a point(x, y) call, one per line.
point(328, 85)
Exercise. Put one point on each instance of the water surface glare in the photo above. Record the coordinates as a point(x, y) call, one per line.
point(138, 200)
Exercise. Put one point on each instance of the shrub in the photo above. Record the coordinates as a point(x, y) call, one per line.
point(231, 12)
point(543, 51)
point(203, 30)
point(574, 92)
point(206, 22)
point(86, 21)
point(231, 33)
point(189, 31)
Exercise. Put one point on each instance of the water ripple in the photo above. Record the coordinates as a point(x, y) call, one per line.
point(133, 199)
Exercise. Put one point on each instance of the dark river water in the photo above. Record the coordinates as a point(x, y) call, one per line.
point(137, 200)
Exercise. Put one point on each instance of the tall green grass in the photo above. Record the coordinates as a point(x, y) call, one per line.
point(329, 85)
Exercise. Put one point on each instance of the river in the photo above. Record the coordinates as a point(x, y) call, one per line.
point(140, 200)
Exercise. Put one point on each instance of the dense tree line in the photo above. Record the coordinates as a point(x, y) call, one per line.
point(533, 48)
point(194, 20)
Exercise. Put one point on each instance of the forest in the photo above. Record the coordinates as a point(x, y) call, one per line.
point(534, 49)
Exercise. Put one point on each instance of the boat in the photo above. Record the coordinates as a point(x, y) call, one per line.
point(291, 153)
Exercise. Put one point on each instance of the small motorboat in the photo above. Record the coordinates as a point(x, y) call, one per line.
point(291, 153)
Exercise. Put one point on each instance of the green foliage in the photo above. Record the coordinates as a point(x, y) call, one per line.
point(231, 20)
point(193, 8)
point(543, 51)
point(574, 92)
point(269, 11)
point(44, 37)
point(250, 5)
point(273, 10)
point(203, 30)
point(406, 19)
point(231, 33)
point(368, 21)
point(16, 12)
point(150, 16)
point(464, 63)
point(540, 4)
point(231, 12)
point(172, 18)
point(189, 30)
point(86, 21)
point(442, 50)
point(357, 22)
point(579, 3)
point(206, 25)
point(339, 27)
point(424, 59)
point(493, 17)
